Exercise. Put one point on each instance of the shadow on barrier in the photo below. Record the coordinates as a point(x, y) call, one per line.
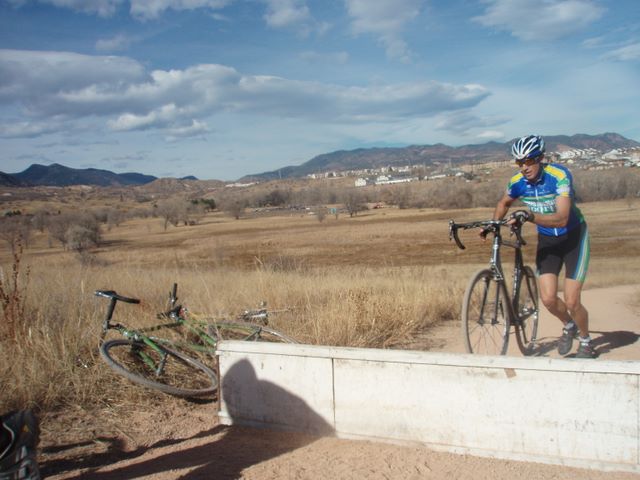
point(249, 400)
point(230, 449)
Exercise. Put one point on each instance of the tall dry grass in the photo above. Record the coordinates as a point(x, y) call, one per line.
point(54, 361)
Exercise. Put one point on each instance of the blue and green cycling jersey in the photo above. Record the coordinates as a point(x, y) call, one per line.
point(540, 195)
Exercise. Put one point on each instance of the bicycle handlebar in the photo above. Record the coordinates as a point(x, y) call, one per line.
point(488, 225)
point(112, 294)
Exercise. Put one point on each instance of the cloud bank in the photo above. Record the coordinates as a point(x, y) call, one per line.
point(48, 87)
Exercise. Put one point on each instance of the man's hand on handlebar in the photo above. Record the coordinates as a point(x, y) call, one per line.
point(520, 217)
point(484, 232)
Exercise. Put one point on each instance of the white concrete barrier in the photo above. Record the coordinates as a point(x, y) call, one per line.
point(560, 411)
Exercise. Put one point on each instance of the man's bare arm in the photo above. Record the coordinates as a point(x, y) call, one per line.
point(502, 207)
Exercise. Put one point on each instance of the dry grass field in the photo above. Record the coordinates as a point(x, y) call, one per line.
point(379, 279)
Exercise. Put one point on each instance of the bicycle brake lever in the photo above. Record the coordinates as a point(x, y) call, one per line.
point(517, 231)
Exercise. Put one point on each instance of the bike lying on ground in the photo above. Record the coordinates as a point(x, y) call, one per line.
point(150, 361)
point(177, 366)
point(488, 310)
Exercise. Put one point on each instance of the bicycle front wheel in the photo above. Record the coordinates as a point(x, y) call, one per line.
point(528, 312)
point(248, 332)
point(485, 318)
point(162, 369)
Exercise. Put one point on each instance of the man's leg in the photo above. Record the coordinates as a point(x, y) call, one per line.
point(572, 300)
point(572, 291)
point(549, 295)
point(560, 309)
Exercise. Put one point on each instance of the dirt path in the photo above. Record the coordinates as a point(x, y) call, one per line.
point(184, 441)
point(614, 318)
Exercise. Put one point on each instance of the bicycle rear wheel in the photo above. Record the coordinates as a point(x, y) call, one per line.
point(485, 318)
point(528, 312)
point(247, 332)
point(163, 369)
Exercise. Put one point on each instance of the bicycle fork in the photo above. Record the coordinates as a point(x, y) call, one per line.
point(496, 301)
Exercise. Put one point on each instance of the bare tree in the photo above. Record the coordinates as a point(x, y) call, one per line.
point(321, 213)
point(39, 220)
point(80, 238)
point(75, 231)
point(234, 207)
point(114, 218)
point(15, 229)
point(58, 225)
point(354, 202)
point(173, 211)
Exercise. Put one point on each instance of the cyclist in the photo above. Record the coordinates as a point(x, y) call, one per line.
point(547, 190)
point(19, 433)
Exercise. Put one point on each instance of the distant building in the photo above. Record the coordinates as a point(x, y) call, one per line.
point(384, 180)
point(361, 182)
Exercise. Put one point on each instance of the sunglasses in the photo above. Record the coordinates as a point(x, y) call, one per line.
point(529, 161)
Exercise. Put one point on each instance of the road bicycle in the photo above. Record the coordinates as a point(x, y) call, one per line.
point(177, 366)
point(488, 309)
point(151, 361)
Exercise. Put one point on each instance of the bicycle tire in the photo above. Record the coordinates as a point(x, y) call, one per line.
point(485, 316)
point(181, 376)
point(528, 312)
point(247, 332)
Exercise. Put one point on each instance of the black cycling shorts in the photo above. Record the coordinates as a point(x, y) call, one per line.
point(571, 250)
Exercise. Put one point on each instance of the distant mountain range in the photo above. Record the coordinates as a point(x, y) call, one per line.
point(362, 158)
point(436, 154)
point(57, 175)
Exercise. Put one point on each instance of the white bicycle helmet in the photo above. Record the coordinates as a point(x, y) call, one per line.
point(530, 146)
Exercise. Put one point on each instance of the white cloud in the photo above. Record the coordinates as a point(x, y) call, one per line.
point(160, 116)
point(40, 82)
point(140, 9)
point(284, 13)
point(116, 43)
point(540, 20)
point(27, 129)
point(490, 135)
point(627, 53)
point(464, 122)
point(196, 128)
point(386, 19)
point(64, 85)
point(103, 8)
point(151, 9)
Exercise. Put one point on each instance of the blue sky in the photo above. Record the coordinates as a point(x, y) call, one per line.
point(223, 88)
